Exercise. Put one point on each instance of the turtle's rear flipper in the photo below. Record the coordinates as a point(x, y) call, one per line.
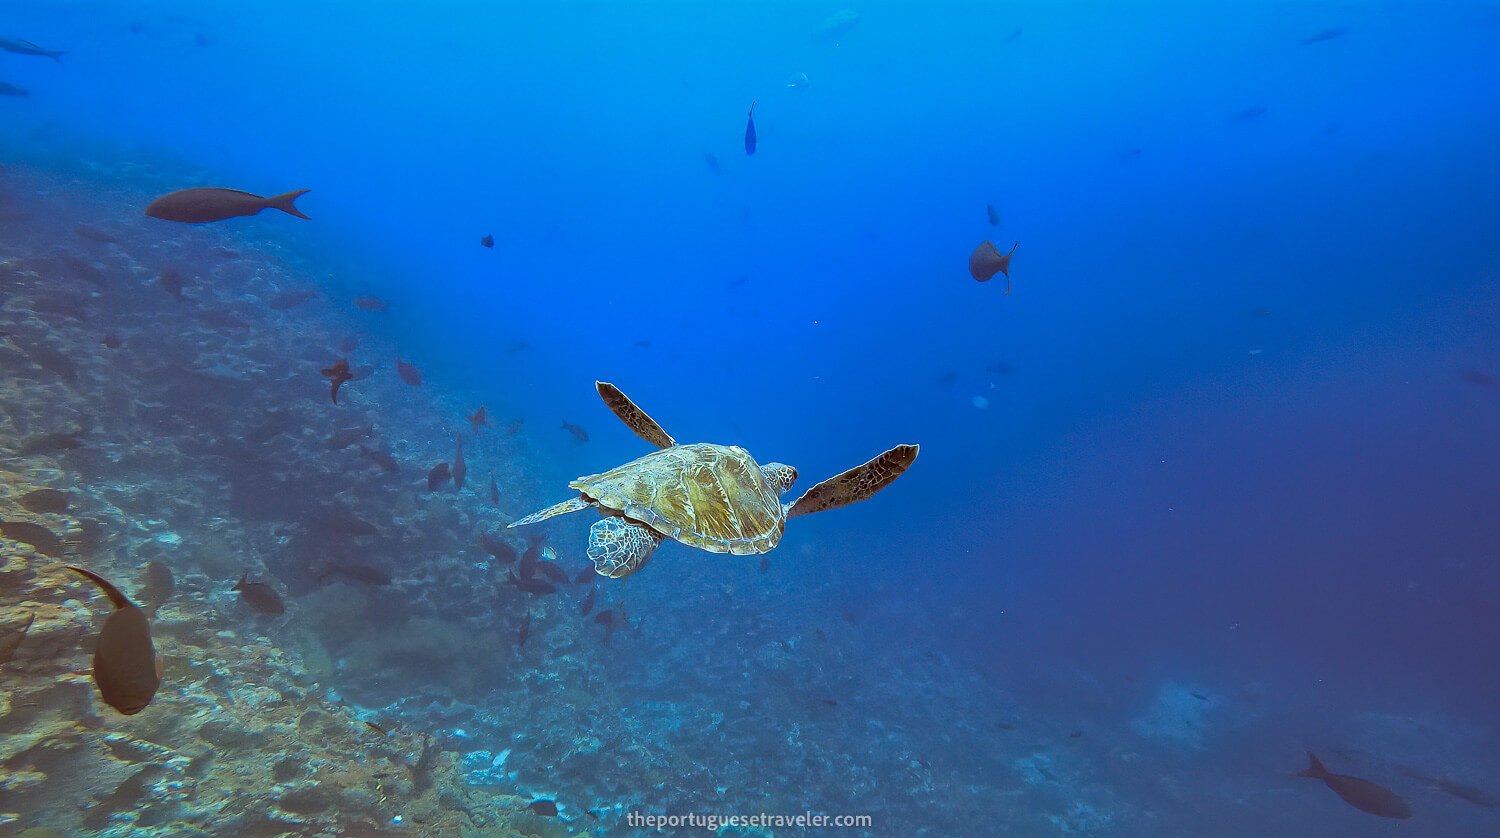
point(619, 548)
point(569, 505)
point(636, 419)
point(856, 484)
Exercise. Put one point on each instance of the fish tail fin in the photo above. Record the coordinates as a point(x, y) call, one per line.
point(115, 597)
point(56, 55)
point(284, 201)
point(244, 578)
point(1315, 770)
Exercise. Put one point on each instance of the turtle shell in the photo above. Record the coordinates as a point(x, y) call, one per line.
point(708, 496)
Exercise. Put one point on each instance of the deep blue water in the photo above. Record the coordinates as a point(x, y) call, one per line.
point(1234, 427)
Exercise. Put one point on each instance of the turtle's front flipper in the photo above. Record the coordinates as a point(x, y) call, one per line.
point(644, 426)
point(569, 505)
point(619, 548)
point(856, 484)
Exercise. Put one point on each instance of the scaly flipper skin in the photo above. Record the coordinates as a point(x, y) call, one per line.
point(856, 484)
point(634, 418)
point(569, 505)
point(619, 548)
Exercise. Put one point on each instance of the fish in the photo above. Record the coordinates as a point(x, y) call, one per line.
point(12, 638)
point(498, 548)
point(338, 520)
point(362, 371)
point(514, 428)
point(643, 343)
point(525, 629)
point(478, 420)
point(1248, 114)
point(94, 234)
point(159, 585)
point(750, 131)
point(543, 807)
point(518, 346)
point(23, 47)
point(41, 539)
point(45, 500)
point(588, 574)
point(438, 476)
point(488, 240)
point(364, 574)
point(993, 213)
point(369, 303)
point(711, 162)
point(349, 344)
point(127, 669)
point(1325, 35)
point(345, 437)
point(533, 554)
point(377, 728)
point(830, 702)
point(459, 468)
point(205, 204)
point(408, 373)
point(1199, 696)
point(1001, 368)
point(836, 25)
point(8, 89)
point(553, 571)
point(171, 282)
point(259, 596)
point(576, 431)
point(380, 458)
point(765, 563)
point(1479, 377)
point(337, 375)
point(605, 617)
point(532, 586)
point(291, 299)
point(1359, 793)
point(112, 340)
point(1468, 794)
point(986, 261)
point(494, 491)
point(588, 601)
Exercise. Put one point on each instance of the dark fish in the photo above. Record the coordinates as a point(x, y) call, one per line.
point(553, 571)
point(580, 433)
point(765, 563)
point(21, 47)
point(438, 476)
point(335, 519)
point(820, 634)
point(1004, 726)
point(494, 491)
point(830, 702)
point(460, 469)
point(363, 371)
point(1361, 794)
point(525, 629)
point(11, 639)
point(8, 89)
point(497, 547)
point(363, 574)
point(337, 375)
point(605, 617)
point(514, 427)
point(159, 585)
point(171, 282)
point(1075, 734)
point(1199, 696)
point(112, 340)
point(201, 205)
point(369, 303)
point(1479, 377)
point(377, 728)
point(94, 235)
point(259, 595)
point(750, 131)
point(518, 346)
point(986, 261)
point(1465, 793)
point(380, 458)
point(291, 299)
point(588, 574)
point(588, 601)
point(711, 161)
point(993, 213)
point(643, 343)
point(1325, 35)
point(478, 420)
point(45, 500)
point(544, 807)
point(737, 282)
point(1001, 368)
point(488, 240)
point(349, 344)
point(532, 586)
point(408, 373)
point(43, 540)
point(1248, 114)
point(529, 558)
point(127, 669)
point(345, 437)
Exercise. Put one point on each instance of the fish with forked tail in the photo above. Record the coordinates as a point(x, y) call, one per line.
point(259, 596)
point(578, 432)
point(204, 204)
point(127, 669)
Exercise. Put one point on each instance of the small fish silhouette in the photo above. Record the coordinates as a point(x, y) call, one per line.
point(478, 420)
point(488, 240)
point(750, 131)
point(576, 431)
point(408, 373)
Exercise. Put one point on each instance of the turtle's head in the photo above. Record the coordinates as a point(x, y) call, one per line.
point(780, 475)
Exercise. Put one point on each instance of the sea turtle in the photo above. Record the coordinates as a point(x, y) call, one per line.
point(713, 497)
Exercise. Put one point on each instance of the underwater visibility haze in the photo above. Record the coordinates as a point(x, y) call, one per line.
point(412, 413)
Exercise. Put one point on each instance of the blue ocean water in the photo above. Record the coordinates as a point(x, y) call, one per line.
point(1213, 486)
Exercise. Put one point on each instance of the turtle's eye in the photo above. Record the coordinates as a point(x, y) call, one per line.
point(780, 475)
